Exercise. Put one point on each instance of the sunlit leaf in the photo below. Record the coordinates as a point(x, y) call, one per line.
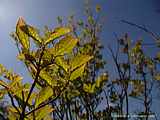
point(44, 113)
point(21, 57)
point(89, 88)
point(79, 60)
point(102, 78)
point(47, 77)
point(77, 72)
point(64, 46)
point(22, 36)
point(43, 95)
point(32, 32)
point(72, 93)
point(62, 62)
point(12, 113)
point(58, 32)
point(2, 69)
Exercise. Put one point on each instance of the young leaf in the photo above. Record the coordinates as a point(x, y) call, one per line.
point(89, 88)
point(79, 60)
point(65, 45)
point(77, 72)
point(22, 36)
point(61, 62)
point(58, 32)
point(12, 113)
point(43, 95)
point(46, 76)
point(32, 32)
point(21, 57)
point(98, 82)
point(44, 113)
point(100, 79)
point(72, 93)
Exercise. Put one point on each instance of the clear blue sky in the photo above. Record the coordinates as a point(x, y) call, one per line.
point(44, 12)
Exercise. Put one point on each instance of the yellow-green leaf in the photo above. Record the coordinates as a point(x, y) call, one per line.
point(12, 113)
point(77, 72)
point(61, 62)
point(72, 93)
point(43, 95)
point(21, 57)
point(22, 36)
point(79, 60)
point(58, 32)
point(46, 76)
point(44, 113)
point(65, 45)
point(98, 82)
point(32, 32)
point(89, 88)
point(100, 79)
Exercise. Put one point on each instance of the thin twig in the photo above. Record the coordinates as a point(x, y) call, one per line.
point(153, 35)
point(50, 101)
point(33, 85)
point(13, 104)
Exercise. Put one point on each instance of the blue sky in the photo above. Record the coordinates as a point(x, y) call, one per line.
point(44, 12)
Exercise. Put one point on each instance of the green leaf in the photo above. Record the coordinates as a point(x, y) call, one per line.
point(21, 56)
point(32, 32)
point(43, 95)
point(46, 76)
point(64, 46)
point(98, 8)
point(91, 20)
point(98, 82)
point(79, 60)
point(72, 93)
point(77, 73)
point(137, 48)
point(89, 88)
point(58, 32)
point(61, 62)
point(22, 36)
point(16, 88)
point(100, 79)
point(44, 113)
point(12, 113)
